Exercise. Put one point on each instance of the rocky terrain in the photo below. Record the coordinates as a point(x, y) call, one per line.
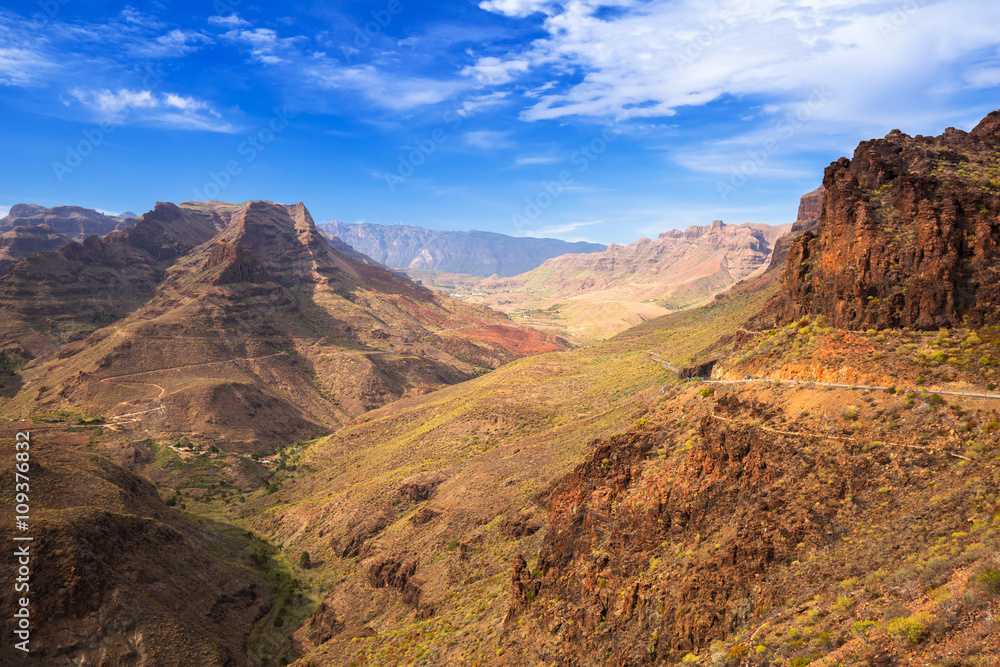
point(705, 488)
point(471, 253)
point(118, 576)
point(21, 242)
point(907, 237)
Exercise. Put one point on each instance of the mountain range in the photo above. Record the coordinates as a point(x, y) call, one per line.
point(251, 448)
point(472, 253)
point(592, 296)
point(240, 323)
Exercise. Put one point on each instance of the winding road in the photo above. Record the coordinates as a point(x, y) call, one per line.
point(835, 385)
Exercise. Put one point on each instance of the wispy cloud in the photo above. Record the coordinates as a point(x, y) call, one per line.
point(265, 46)
point(387, 90)
point(174, 44)
point(516, 8)
point(487, 139)
point(230, 22)
point(22, 67)
point(4, 210)
point(561, 230)
point(527, 160)
point(491, 71)
point(146, 107)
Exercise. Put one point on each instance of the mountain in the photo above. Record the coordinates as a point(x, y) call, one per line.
point(21, 242)
point(473, 253)
point(907, 236)
point(590, 508)
point(52, 298)
point(703, 489)
point(237, 323)
point(596, 295)
point(72, 221)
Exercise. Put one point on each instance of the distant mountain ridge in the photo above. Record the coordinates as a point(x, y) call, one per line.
point(474, 253)
point(595, 295)
point(29, 228)
point(75, 222)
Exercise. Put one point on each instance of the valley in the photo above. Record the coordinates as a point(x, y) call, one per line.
point(254, 448)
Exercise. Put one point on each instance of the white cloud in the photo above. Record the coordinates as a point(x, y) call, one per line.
point(478, 103)
point(22, 67)
point(491, 71)
point(561, 231)
point(649, 58)
point(386, 90)
point(487, 139)
point(145, 107)
point(4, 210)
point(231, 22)
point(174, 44)
point(264, 44)
point(517, 8)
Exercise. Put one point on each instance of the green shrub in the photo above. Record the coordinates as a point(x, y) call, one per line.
point(909, 629)
point(989, 581)
point(850, 413)
point(863, 629)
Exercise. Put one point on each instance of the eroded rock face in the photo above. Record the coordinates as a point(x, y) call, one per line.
point(907, 235)
point(239, 265)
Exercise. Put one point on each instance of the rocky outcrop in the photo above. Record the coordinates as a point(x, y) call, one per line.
point(474, 253)
point(73, 221)
point(810, 208)
point(122, 579)
point(22, 242)
point(907, 237)
point(238, 265)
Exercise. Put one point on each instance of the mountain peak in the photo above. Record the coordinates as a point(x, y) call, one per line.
point(988, 128)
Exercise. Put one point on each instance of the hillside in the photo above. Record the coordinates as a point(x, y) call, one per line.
point(118, 577)
point(473, 253)
point(239, 324)
point(593, 296)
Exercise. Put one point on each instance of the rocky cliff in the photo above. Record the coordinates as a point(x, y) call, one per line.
point(907, 236)
point(810, 207)
point(474, 253)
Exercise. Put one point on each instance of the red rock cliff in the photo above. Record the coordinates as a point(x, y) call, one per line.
point(907, 235)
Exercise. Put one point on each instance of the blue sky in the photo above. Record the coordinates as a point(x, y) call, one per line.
point(584, 119)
